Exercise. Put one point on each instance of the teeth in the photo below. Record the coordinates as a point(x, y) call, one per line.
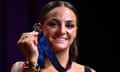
point(60, 39)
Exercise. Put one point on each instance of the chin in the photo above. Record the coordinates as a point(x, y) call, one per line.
point(59, 48)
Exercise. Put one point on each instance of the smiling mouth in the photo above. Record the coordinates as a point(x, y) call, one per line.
point(60, 39)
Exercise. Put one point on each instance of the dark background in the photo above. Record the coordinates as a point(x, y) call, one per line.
point(95, 35)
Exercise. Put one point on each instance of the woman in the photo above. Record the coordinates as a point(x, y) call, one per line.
point(58, 22)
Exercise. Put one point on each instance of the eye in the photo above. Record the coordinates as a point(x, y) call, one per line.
point(70, 25)
point(53, 24)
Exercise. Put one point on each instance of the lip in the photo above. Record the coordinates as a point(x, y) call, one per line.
point(60, 39)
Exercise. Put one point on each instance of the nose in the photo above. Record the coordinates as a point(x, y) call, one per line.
point(62, 29)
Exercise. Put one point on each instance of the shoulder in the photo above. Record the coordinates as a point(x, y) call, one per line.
point(81, 68)
point(17, 66)
point(77, 67)
point(88, 69)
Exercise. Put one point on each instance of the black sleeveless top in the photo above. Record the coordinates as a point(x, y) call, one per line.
point(87, 69)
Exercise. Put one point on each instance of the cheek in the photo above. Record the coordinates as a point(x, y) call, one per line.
point(48, 31)
point(72, 33)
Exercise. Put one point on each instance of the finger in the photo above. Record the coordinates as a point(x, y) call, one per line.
point(35, 33)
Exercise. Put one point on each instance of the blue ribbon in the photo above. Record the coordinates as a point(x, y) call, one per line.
point(45, 50)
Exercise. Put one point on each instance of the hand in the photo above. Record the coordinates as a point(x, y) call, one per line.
point(28, 44)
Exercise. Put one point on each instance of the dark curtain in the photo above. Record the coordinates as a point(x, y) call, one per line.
point(18, 16)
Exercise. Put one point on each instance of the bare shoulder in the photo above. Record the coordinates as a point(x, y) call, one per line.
point(93, 70)
point(77, 67)
point(17, 66)
point(80, 68)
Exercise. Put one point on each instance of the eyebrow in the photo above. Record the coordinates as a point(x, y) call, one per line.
point(68, 21)
point(57, 20)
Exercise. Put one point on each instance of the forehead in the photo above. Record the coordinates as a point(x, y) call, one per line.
point(62, 13)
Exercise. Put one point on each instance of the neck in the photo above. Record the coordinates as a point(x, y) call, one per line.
point(62, 57)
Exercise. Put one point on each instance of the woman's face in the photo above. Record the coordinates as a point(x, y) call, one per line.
point(60, 28)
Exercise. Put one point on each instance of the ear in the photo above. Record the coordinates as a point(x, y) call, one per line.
point(43, 26)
